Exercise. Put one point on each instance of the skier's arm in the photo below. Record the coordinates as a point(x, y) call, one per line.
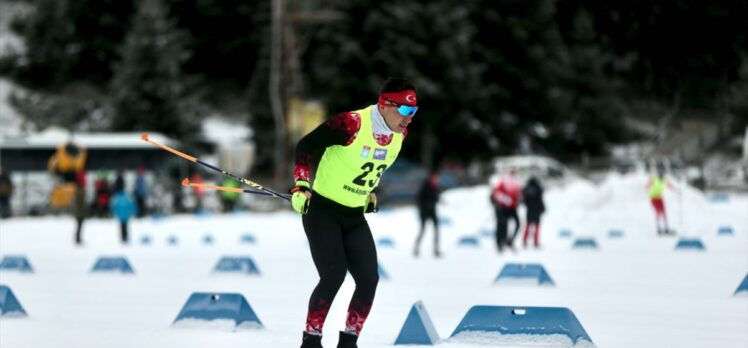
point(339, 130)
point(672, 187)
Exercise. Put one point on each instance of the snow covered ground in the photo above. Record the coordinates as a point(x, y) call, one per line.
point(635, 291)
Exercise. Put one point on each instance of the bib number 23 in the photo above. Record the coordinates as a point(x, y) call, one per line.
point(368, 167)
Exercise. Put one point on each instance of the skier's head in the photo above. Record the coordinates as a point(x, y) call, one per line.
point(397, 103)
point(660, 168)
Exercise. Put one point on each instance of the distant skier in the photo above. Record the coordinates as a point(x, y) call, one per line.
point(427, 197)
point(505, 197)
point(532, 197)
point(229, 198)
point(656, 186)
point(357, 147)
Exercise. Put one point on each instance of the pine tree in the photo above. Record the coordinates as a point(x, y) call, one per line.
point(72, 40)
point(148, 90)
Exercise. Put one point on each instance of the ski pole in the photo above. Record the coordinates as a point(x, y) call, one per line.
point(186, 182)
point(270, 192)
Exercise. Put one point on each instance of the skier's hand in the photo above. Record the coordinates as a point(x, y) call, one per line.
point(300, 197)
point(371, 204)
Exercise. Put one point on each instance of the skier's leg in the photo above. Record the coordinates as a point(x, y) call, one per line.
point(510, 239)
point(361, 256)
point(326, 246)
point(501, 228)
point(420, 235)
point(437, 252)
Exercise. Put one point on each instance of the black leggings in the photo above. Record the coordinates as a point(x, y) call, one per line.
point(427, 215)
point(340, 240)
point(503, 215)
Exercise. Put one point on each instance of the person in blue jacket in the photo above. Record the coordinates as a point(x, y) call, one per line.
point(123, 207)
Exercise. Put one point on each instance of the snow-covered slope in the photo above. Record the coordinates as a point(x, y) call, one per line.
point(636, 291)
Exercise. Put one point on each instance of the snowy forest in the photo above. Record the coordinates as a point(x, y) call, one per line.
point(565, 78)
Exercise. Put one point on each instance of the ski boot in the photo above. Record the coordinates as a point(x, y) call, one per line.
point(311, 341)
point(347, 340)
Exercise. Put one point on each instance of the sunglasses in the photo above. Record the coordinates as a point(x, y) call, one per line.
point(404, 110)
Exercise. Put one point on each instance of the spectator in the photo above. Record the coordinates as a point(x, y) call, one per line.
point(102, 194)
point(68, 160)
point(123, 209)
point(80, 209)
point(532, 196)
point(229, 198)
point(141, 192)
point(197, 191)
point(505, 198)
point(119, 182)
point(6, 192)
point(427, 197)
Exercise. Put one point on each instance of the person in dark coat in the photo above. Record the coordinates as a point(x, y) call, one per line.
point(80, 209)
point(427, 197)
point(532, 195)
point(141, 192)
point(6, 191)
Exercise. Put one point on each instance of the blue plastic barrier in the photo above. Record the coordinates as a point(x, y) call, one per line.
point(112, 264)
point(248, 239)
point(488, 233)
point(9, 305)
point(386, 242)
point(615, 234)
point(16, 263)
point(471, 241)
point(690, 244)
point(172, 240)
point(212, 306)
point(565, 234)
point(725, 231)
point(743, 287)
point(444, 221)
point(719, 198)
point(523, 321)
point(145, 240)
point(529, 271)
point(237, 265)
point(418, 328)
point(585, 243)
point(382, 273)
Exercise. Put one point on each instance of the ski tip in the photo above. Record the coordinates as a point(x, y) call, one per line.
point(185, 182)
point(144, 136)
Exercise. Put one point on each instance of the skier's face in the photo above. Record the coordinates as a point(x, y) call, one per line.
point(393, 118)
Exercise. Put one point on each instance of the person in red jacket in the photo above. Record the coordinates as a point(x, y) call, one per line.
point(505, 198)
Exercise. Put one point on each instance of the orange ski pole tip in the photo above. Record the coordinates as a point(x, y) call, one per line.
point(185, 182)
point(144, 136)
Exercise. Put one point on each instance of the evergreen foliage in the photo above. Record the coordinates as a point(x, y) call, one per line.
point(148, 89)
point(496, 77)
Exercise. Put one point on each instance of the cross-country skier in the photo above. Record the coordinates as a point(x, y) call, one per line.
point(656, 187)
point(358, 147)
